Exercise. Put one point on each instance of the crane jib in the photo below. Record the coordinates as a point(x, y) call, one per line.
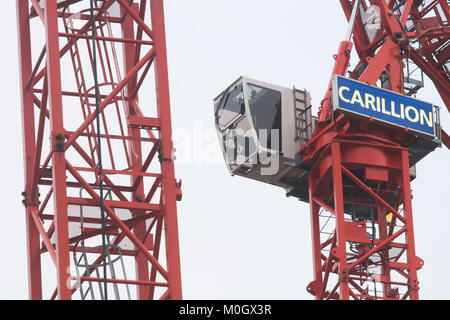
point(383, 105)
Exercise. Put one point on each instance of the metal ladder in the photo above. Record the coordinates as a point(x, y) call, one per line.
point(80, 79)
point(413, 76)
point(303, 117)
point(82, 262)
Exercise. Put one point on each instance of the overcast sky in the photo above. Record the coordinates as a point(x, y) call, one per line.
point(239, 239)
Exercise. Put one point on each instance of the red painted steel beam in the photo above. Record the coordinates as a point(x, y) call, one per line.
point(141, 265)
point(168, 182)
point(446, 139)
point(412, 261)
point(109, 39)
point(39, 139)
point(117, 204)
point(140, 31)
point(133, 282)
point(37, 8)
point(58, 158)
point(36, 67)
point(136, 18)
point(340, 68)
point(45, 237)
point(340, 251)
point(29, 148)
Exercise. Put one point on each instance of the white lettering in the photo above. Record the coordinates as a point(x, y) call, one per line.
point(357, 98)
point(341, 93)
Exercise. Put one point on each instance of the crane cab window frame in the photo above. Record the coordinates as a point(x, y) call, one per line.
point(230, 108)
point(264, 105)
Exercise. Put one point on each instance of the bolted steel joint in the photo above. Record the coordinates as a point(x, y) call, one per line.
point(24, 200)
point(59, 143)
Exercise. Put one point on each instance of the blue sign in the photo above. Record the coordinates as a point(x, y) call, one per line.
point(383, 105)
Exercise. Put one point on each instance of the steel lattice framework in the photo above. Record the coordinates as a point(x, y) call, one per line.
point(61, 150)
point(359, 166)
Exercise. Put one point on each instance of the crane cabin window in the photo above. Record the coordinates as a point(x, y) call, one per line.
point(230, 108)
point(265, 108)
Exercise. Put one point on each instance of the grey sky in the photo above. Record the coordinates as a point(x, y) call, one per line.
point(239, 239)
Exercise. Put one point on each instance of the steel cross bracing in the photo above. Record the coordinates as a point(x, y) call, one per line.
point(61, 151)
point(359, 183)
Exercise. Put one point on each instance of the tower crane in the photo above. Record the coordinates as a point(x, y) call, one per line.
point(101, 196)
point(354, 161)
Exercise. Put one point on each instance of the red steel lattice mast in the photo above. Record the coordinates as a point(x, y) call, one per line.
point(61, 152)
point(359, 184)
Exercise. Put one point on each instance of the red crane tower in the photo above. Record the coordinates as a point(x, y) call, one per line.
point(360, 171)
point(112, 211)
point(355, 162)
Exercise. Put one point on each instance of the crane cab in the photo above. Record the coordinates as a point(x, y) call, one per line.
point(261, 128)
